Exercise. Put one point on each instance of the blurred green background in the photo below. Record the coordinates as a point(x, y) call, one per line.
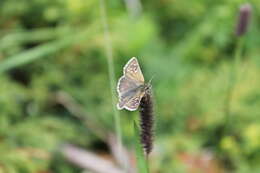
point(55, 86)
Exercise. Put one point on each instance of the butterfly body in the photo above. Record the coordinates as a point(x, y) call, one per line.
point(131, 86)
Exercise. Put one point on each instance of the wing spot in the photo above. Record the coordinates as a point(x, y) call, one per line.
point(136, 101)
point(133, 68)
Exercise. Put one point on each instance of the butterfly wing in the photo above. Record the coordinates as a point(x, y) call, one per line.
point(125, 84)
point(130, 85)
point(134, 103)
point(133, 71)
point(130, 100)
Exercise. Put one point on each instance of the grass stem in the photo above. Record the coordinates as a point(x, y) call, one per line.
point(111, 71)
point(234, 75)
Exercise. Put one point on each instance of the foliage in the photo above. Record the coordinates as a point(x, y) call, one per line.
point(48, 46)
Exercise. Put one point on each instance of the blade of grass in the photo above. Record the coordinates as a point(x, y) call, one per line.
point(42, 51)
point(243, 23)
point(33, 54)
point(21, 37)
point(233, 80)
point(111, 71)
point(142, 164)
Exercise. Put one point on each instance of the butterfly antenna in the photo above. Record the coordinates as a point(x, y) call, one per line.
point(150, 81)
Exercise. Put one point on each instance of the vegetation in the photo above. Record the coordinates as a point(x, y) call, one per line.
point(55, 87)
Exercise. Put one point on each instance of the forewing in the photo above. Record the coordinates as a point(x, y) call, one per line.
point(133, 71)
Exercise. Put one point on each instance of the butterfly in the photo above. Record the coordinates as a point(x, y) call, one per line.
point(131, 86)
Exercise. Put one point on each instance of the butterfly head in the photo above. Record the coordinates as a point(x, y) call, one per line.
point(148, 85)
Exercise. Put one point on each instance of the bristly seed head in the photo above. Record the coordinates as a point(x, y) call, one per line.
point(147, 121)
point(243, 19)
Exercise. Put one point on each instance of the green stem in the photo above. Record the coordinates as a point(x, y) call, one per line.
point(147, 163)
point(109, 55)
point(234, 75)
point(141, 159)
